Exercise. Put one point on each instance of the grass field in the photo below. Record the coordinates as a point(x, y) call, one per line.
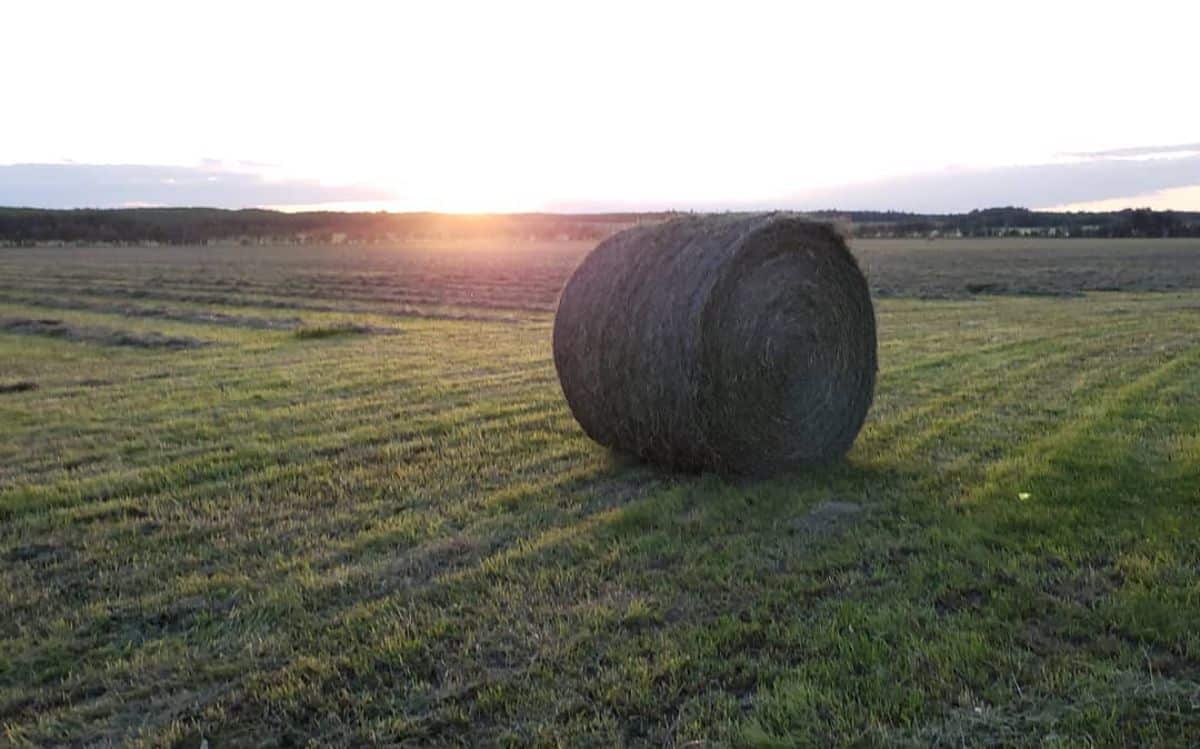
point(494, 279)
point(332, 513)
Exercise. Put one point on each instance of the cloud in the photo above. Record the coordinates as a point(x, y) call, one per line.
point(959, 190)
point(1135, 151)
point(1032, 186)
point(221, 185)
point(116, 185)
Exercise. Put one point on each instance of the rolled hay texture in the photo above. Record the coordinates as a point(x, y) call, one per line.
point(736, 343)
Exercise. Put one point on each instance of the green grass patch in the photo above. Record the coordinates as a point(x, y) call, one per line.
point(406, 540)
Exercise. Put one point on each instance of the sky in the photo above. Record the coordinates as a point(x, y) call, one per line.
point(573, 106)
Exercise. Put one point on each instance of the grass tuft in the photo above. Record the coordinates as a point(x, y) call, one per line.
point(331, 331)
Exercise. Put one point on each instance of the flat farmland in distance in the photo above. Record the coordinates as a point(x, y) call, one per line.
point(481, 276)
point(487, 278)
point(950, 268)
point(332, 496)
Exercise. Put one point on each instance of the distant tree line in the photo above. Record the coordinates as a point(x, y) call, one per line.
point(1001, 222)
point(199, 225)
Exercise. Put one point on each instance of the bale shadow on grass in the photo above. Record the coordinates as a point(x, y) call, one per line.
point(658, 558)
point(822, 499)
point(594, 547)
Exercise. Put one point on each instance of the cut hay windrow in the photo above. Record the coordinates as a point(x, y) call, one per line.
point(738, 343)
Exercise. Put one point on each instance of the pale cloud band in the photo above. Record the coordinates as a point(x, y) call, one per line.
point(1136, 151)
point(1107, 178)
point(122, 185)
point(1031, 186)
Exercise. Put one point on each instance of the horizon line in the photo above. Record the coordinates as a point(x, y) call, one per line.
point(646, 211)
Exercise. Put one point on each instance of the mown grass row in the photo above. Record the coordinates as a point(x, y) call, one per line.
point(372, 539)
point(500, 274)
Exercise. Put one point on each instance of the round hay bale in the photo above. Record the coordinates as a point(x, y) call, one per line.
point(738, 343)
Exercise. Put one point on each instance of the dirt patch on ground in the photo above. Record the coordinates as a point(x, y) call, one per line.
point(35, 553)
point(22, 386)
point(1088, 585)
point(96, 334)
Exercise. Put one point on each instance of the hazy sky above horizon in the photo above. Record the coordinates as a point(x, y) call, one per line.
point(572, 106)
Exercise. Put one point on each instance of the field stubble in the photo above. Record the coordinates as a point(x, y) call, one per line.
point(388, 528)
point(503, 279)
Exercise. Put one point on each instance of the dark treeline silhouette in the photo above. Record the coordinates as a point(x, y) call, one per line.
point(199, 225)
point(1001, 222)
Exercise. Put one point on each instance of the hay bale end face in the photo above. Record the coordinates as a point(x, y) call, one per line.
point(737, 343)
